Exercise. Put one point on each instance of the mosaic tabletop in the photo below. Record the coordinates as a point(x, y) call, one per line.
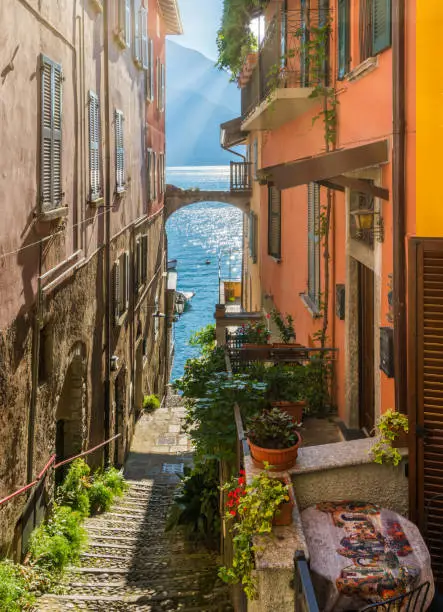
point(361, 553)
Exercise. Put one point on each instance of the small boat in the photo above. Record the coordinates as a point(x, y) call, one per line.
point(182, 299)
point(207, 262)
point(172, 264)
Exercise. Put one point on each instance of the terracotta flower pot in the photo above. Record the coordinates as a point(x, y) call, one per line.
point(257, 351)
point(279, 459)
point(402, 440)
point(294, 409)
point(283, 516)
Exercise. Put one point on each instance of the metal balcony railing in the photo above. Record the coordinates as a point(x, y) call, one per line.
point(305, 599)
point(240, 176)
point(293, 54)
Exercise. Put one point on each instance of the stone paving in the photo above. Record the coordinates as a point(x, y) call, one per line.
point(131, 564)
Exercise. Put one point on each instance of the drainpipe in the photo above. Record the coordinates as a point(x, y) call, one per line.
point(108, 195)
point(398, 203)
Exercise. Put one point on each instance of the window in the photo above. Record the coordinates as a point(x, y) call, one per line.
point(375, 27)
point(154, 176)
point(51, 135)
point(160, 85)
point(253, 226)
point(124, 21)
point(95, 183)
point(121, 286)
point(161, 170)
point(119, 152)
point(314, 244)
point(137, 29)
point(145, 39)
point(149, 172)
point(151, 69)
point(274, 222)
point(141, 262)
point(45, 359)
point(343, 38)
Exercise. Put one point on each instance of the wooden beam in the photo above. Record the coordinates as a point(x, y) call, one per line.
point(327, 165)
point(361, 186)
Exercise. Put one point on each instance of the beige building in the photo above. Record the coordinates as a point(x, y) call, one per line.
point(82, 241)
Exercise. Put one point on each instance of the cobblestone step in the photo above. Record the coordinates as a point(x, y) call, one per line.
point(131, 565)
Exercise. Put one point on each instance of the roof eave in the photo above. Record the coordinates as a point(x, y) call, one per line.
point(171, 17)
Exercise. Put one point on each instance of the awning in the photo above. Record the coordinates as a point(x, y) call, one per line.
point(328, 169)
point(231, 133)
point(171, 15)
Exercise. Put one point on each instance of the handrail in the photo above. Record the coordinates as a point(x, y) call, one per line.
point(304, 589)
point(57, 465)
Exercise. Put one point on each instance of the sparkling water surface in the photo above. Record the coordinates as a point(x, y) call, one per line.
point(197, 233)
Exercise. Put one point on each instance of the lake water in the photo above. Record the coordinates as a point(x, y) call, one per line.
point(200, 232)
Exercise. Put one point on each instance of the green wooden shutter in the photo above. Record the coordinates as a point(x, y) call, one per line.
point(343, 38)
point(145, 40)
point(314, 243)
point(116, 291)
point(51, 135)
point(274, 222)
point(381, 25)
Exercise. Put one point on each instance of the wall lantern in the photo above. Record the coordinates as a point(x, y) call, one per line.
point(368, 222)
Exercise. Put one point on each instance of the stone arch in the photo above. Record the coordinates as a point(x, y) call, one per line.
point(71, 412)
point(177, 198)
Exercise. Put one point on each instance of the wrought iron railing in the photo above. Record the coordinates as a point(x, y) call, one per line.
point(305, 599)
point(413, 601)
point(293, 53)
point(240, 176)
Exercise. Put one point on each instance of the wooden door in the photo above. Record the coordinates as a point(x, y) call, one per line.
point(425, 392)
point(366, 347)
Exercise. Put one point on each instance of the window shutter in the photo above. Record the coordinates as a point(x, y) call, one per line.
point(144, 258)
point(343, 38)
point(126, 286)
point(381, 25)
point(128, 22)
point(94, 147)
point(255, 158)
point(51, 135)
point(253, 236)
point(151, 69)
point(154, 175)
point(314, 243)
point(119, 152)
point(137, 266)
point(163, 82)
point(116, 291)
point(148, 174)
point(137, 31)
point(144, 36)
point(274, 222)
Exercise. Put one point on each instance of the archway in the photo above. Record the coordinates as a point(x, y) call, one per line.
point(71, 418)
point(177, 198)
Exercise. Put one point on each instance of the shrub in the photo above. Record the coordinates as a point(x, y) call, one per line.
point(59, 541)
point(151, 403)
point(14, 591)
point(204, 338)
point(100, 497)
point(114, 480)
point(272, 429)
point(73, 491)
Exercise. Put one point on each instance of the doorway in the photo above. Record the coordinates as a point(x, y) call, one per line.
point(366, 348)
point(119, 418)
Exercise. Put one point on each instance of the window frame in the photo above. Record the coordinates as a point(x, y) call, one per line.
point(95, 183)
point(274, 250)
point(343, 38)
point(120, 179)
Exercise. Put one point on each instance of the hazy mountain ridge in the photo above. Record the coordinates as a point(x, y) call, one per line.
point(199, 98)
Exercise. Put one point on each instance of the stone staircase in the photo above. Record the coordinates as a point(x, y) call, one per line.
point(131, 564)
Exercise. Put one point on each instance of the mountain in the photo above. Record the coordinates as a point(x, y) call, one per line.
point(198, 98)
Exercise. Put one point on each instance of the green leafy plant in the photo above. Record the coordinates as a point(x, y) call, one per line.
point(58, 541)
point(250, 510)
point(285, 325)
point(151, 403)
point(198, 372)
point(390, 426)
point(317, 385)
point(204, 338)
point(73, 491)
point(255, 332)
point(15, 592)
point(272, 429)
point(195, 510)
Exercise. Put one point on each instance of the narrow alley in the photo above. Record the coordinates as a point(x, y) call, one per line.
point(131, 564)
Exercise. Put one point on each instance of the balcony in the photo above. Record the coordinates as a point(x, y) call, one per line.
point(240, 176)
point(292, 62)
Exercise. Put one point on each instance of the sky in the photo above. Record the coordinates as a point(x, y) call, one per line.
point(201, 20)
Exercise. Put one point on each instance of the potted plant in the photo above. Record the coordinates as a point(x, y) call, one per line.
point(393, 428)
point(273, 439)
point(251, 509)
point(285, 327)
point(256, 337)
point(286, 390)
